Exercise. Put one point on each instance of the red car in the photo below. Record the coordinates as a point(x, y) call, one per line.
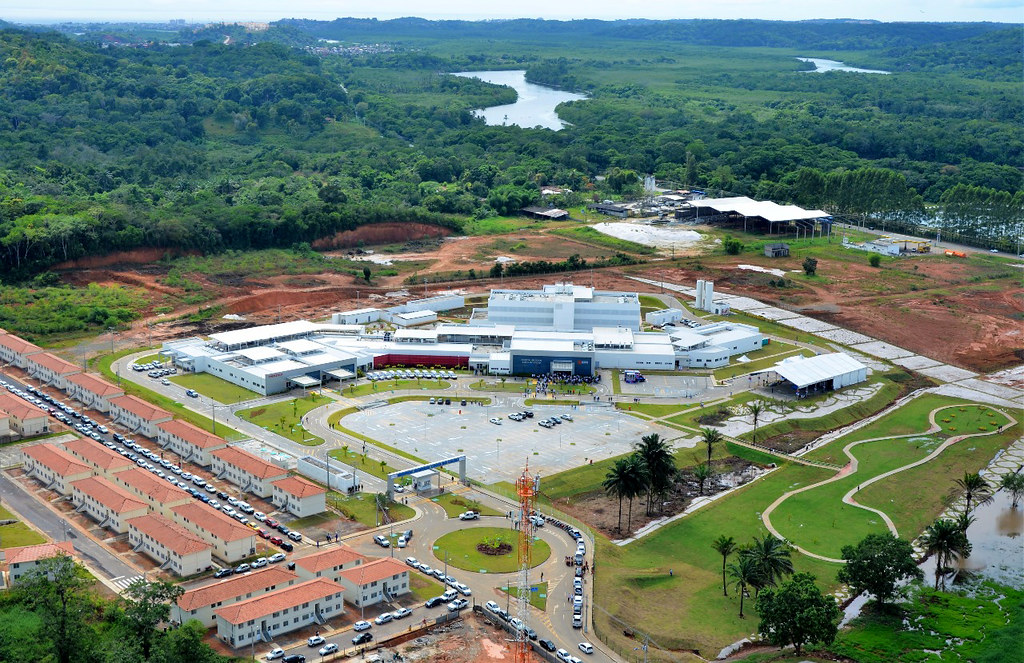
point(262, 533)
point(276, 540)
point(271, 523)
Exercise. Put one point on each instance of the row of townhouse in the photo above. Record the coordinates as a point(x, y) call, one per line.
point(231, 540)
point(108, 504)
point(18, 417)
point(15, 351)
point(192, 443)
point(24, 559)
point(137, 415)
point(201, 603)
point(92, 391)
point(159, 495)
point(176, 548)
point(255, 475)
point(51, 369)
point(53, 467)
point(263, 618)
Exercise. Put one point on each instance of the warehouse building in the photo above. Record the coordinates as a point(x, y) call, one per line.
point(663, 317)
point(248, 471)
point(230, 539)
point(92, 391)
point(201, 602)
point(109, 505)
point(299, 497)
point(190, 442)
point(25, 559)
point(272, 615)
point(53, 467)
point(174, 547)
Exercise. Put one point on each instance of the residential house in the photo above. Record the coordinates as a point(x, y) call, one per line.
point(24, 559)
point(247, 471)
point(178, 550)
point(230, 539)
point(109, 505)
point(264, 618)
point(328, 562)
point(159, 494)
point(201, 602)
point(25, 419)
point(51, 369)
point(53, 467)
point(103, 460)
point(138, 415)
point(190, 442)
point(375, 581)
point(92, 391)
point(299, 496)
point(16, 351)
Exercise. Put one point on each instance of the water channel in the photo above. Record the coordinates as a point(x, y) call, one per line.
point(534, 106)
point(821, 66)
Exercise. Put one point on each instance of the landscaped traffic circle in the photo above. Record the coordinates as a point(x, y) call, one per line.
point(486, 550)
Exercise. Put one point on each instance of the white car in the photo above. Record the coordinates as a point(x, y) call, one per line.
point(586, 648)
point(469, 515)
point(383, 619)
point(329, 648)
point(275, 654)
point(361, 625)
point(496, 421)
point(562, 655)
point(413, 562)
point(275, 558)
point(400, 613)
point(315, 640)
point(463, 589)
point(260, 516)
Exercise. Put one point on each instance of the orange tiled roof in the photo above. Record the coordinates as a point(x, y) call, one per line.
point(113, 497)
point(150, 484)
point(56, 458)
point(248, 462)
point(299, 487)
point(18, 344)
point(37, 552)
point(94, 384)
point(19, 408)
point(192, 434)
point(234, 586)
point(328, 559)
point(141, 408)
point(97, 454)
point(172, 536)
point(54, 363)
point(218, 524)
point(378, 569)
point(289, 597)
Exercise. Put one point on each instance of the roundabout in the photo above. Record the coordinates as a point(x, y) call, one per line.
point(486, 550)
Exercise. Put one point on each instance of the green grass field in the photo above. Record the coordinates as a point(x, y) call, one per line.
point(453, 505)
point(284, 417)
point(17, 534)
point(362, 508)
point(588, 235)
point(214, 387)
point(151, 358)
point(424, 588)
point(538, 594)
point(462, 553)
point(528, 386)
point(361, 463)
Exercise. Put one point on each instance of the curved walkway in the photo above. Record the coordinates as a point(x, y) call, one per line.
point(851, 468)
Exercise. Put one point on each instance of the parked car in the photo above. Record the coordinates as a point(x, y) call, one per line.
point(362, 638)
point(434, 602)
point(315, 640)
point(382, 541)
point(413, 562)
point(275, 654)
point(457, 604)
point(400, 613)
point(192, 393)
point(242, 568)
point(496, 421)
point(276, 557)
point(329, 648)
point(294, 536)
point(223, 573)
point(469, 515)
point(547, 645)
point(294, 658)
point(586, 648)
point(361, 625)
point(383, 618)
point(260, 563)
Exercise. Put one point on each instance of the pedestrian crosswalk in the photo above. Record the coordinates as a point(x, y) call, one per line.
point(123, 582)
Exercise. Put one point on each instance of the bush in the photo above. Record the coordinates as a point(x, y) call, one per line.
point(810, 266)
point(875, 260)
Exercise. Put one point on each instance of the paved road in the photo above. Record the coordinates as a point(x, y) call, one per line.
point(98, 557)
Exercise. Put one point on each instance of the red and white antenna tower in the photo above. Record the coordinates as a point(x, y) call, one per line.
point(527, 487)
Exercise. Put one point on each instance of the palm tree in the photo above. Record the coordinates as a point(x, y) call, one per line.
point(710, 437)
point(636, 482)
point(702, 473)
point(743, 573)
point(976, 489)
point(725, 546)
point(659, 465)
point(615, 483)
point(771, 558)
point(1013, 484)
point(756, 409)
point(947, 542)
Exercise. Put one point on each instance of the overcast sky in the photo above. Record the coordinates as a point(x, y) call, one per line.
point(268, 10)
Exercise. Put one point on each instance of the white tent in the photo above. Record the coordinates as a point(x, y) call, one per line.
point(842, 369)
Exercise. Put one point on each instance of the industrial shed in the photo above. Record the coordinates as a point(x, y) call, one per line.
point(809, 375)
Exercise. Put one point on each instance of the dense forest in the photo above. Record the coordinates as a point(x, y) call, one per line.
point(212, 146)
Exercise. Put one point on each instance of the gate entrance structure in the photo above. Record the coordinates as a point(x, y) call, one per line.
point(461, 460)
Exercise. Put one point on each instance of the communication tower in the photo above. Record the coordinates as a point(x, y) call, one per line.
point(527, 487)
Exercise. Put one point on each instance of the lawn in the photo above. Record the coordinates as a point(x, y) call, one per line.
point(538, 594)
point(655, 409)
point(764, 362)
point(18, 533)
point(363, 463)
point(453, 505)
point(529, 386)
point(386, 386)
point(462, 553)
point(151, 358)
point(424, 588)
point(633, 582)
point(361, 507)
point(736, 403)
point(285, 417)
point(214, 387)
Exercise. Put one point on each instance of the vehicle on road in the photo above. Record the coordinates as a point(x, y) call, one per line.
point(275, 654)
point(457, 604)
point(315, 640)
point(260, 563)
point(361, 625)
point(496, 421)
point(463, 589)
point(547, 645)
point(223, 573)
point(383, 618)
point(492, 606)
point(329, 648)
point(382, 541)
point(362, 638)
point(577, 621)
point(586, 648)
point(433, 602)
point(242, 568)
point(413, 562)
point(294, 658)
point(562, 655)
point(400, 613)
point(275, 558)
point(469, 515)
point(295, 536)
point(192, 393)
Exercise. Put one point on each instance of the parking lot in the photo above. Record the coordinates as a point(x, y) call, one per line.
point(676, 386)
point(498, 452)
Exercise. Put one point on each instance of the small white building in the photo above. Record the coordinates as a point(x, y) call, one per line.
point(333, 475)
point(413, 318)
point(16, 350)
point(109, 505)
point(104, 461)
point(190, 442)
point(160, 495)
point(809, 375)
point(137, 415)
point(51, 369)
point(200, 603)
point(92, 391)
point(178, 550)
point(230, 539)
point(264, 618)
point(664, 316)
point(249, 472)
point(328, 562)
point(24, 418)
point(359, 316)
point(299, 497)
point(25, 559)
point(53, 467)
point(375, 581)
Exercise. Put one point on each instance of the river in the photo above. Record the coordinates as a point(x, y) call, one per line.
point(534, 106)
point(822, 65)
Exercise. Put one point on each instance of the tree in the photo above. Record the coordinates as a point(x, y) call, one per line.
point(732, 246)
point(756, 409)
point(145, 605)
point(616, 482)
point(658, 463)
point(743, 573)
point(366, 274)
point(1013, 484)
point(810, 266)
point(879, 564)
point(636, 481)
point(947, 542)
point(798, 614)
point(875, 260)
point(724, 546)
point(976, 489)
point(56, 591)
point(185, 643)
point(771, 557)
point(702, 473)
point(710, 437)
